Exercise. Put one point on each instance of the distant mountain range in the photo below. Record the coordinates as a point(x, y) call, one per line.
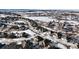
point(34, 10)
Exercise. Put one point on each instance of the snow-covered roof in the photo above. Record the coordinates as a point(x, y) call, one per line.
point(26, 31)
point(19, 21)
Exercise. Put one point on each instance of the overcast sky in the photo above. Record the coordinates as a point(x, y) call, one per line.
point(39, 4)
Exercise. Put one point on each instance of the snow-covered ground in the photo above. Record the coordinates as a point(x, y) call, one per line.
point(44, 19)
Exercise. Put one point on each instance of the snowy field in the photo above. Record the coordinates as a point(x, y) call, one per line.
point(44, 19)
